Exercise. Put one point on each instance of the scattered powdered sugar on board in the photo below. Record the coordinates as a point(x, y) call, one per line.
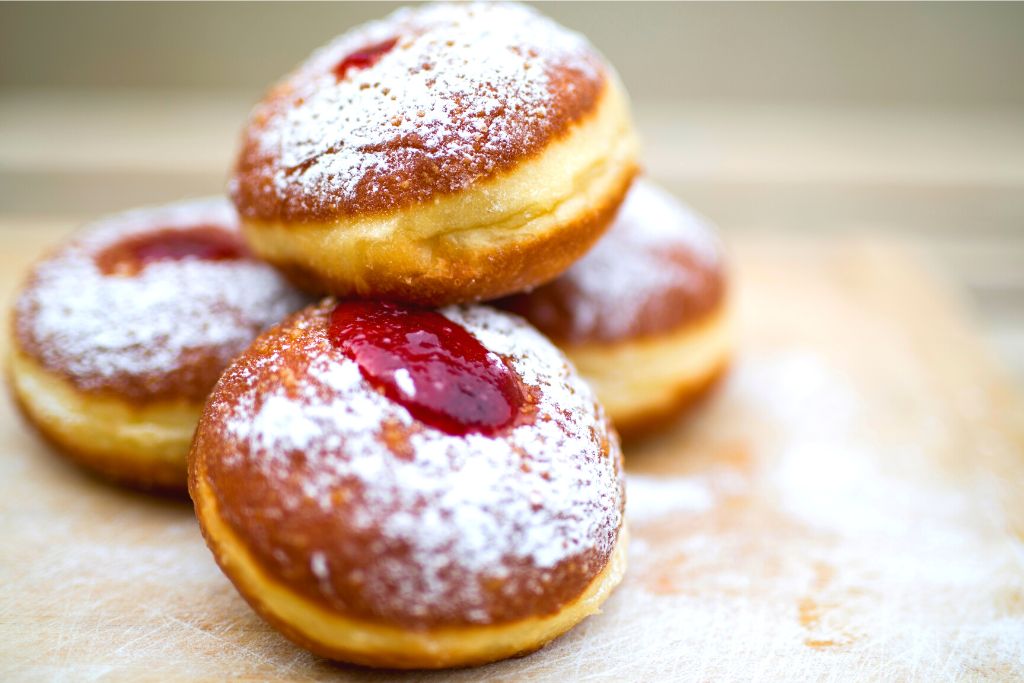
point(630, 263)
point(469, 507)
point(98, 327)
point(840, 540)
point(465, 84)
point(653, 498)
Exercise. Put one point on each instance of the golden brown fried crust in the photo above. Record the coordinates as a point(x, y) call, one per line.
point(195, 372)
point(416, 170)
point(462, 275)
point(191, 377)
point(250, 504)
point(553, 308)
point(687, 397)
point(386, 661)
point(102, 251)
point(691, 284)
point(151, 477)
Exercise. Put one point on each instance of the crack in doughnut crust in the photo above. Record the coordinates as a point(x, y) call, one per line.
point(466, 92)
point(344, 499)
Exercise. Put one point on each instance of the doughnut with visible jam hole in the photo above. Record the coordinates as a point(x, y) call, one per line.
point(401, 487)
point(119, 335)
point(446, 154)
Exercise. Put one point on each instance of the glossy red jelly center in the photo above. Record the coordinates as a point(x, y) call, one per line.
point(433, 367)
point(364, 58)
point(206, 243)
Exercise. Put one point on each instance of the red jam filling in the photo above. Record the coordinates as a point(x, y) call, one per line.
point(433, 367)
point(206, 243)
point(363, 58)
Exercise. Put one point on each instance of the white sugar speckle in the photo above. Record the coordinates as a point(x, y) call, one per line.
point(467, 506)
point(462, 83)
point(97, 327)
point(627, 265)
point(318, 565)
point(404, 381)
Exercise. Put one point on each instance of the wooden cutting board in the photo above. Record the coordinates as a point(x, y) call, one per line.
point(850, 505)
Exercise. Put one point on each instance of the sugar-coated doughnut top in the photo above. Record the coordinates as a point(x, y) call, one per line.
point(150, 304)
point(425, 102)
point(341, 494)
point(658, 267)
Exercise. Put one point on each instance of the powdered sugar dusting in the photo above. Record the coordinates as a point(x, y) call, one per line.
point(629, 265)
point(469, 508)
point(465, 85)
point(98, 328)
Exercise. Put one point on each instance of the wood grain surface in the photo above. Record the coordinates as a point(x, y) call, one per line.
point(847, 506)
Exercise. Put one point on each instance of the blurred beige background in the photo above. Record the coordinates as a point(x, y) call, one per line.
point(880, 121)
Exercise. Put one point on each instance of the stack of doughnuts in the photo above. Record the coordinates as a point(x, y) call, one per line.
point(389, 471)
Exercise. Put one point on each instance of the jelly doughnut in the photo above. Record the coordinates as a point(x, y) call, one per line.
point(446, 154)
point(401, 487)
point(119, 335)
point(642, 315)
